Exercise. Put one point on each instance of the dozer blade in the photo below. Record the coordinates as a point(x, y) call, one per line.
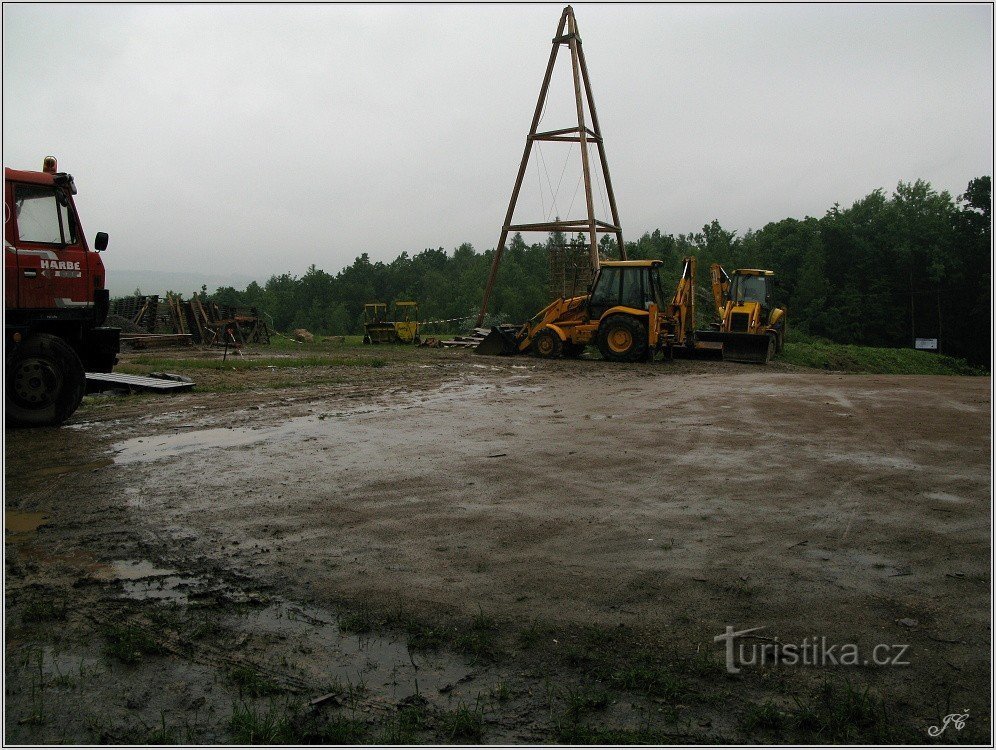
point(497, 342)
point(747, 347)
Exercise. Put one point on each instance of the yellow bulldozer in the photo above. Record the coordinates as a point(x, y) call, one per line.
point(379, 330)
point(751, 327)
point(626, 315)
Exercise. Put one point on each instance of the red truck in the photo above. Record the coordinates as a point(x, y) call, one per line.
point(56, 299)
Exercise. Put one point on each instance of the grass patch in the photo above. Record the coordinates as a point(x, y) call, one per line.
point(250, 363)
point(337, 730)
point(44, 610)
point(842, 714)
point(764, 717)
point(568, 731)
point(480, 639)
point(252, 684)
point(829, 714)
point(586, 700)
point(647, 675)
point(358, 622)
point(424, 636)
point(129, 643)
point(463, 722)
point(251, 726)
point(822, 354)
point(535, 634)
point(404, 726)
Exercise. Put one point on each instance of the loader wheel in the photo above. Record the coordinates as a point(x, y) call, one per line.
point(573, 351)
point(622, 338)
point(366, 339)
point(547, 344)
point(45, 382)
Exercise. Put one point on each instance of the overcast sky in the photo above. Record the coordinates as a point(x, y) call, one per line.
point(251, 140)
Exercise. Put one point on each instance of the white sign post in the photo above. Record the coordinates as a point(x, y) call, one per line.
point(927, 344)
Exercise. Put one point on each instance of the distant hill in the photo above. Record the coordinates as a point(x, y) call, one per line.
point(123, 282)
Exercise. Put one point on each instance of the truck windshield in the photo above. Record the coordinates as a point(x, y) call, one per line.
point(749, 289)
point(43, 215)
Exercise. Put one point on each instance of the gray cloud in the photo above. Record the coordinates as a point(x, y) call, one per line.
point(251, 140)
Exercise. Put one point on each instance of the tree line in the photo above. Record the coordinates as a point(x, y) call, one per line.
point(886, 270)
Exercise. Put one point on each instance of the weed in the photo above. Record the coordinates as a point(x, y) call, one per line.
point(838, 714)
point(358, 622)
point(162, 734)
point(42, 610)
point(401, 729)
point(129, 643)
point(480, 639)
point(37, 700)
point(424, 637)
point(250, 726)
point(205, 629)
point(647, 675)
point(702, 664)
point(535, 634)
point(337, 730)
point(463, 722)
point(569, 731)
point(501, 692)
point(586, 700)
point(766, 717)
point(252, 684)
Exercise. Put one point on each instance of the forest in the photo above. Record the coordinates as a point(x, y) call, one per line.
point(881, 272)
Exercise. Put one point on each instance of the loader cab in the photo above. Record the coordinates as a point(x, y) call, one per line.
point(634, 283)
point(752, 285)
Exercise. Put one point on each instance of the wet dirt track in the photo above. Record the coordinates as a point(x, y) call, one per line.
point(671, 499)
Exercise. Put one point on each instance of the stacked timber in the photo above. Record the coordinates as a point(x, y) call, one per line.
point(175, 322)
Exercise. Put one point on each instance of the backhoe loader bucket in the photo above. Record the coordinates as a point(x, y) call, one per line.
point(497, 342)
point(748, 347)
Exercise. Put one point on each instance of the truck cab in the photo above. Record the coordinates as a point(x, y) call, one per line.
point(56, 298)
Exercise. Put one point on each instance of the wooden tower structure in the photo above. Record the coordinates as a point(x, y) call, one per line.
point(583, 134)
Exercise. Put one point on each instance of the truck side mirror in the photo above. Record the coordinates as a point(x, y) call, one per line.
point(100, 241)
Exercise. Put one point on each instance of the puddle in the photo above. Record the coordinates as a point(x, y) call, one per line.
point(158, 447)
point(18, 522)
point(51, 471)
point(142, 580)
point(380, 663)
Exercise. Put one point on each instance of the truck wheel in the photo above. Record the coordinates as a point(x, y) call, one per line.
point(45, 382)
point(622, 338)
point(366, 339)
point(547, 344)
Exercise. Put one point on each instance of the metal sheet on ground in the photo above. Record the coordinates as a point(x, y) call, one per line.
point(135, 382)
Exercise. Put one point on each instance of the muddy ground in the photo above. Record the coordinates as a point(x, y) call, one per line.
point(431, 546)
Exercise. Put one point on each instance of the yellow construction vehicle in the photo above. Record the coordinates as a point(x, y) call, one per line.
point(627, 315)
point(406, 322)
point(379, 330)
point(751, 327)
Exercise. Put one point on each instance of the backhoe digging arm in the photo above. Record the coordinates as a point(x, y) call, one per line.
point(720, 288)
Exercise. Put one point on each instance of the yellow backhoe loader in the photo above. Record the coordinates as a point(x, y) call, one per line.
point(751, 327)
point(627, 315)
point(379, 330)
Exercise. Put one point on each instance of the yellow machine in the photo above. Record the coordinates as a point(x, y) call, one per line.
point(751, 328)
point(379, 330)
point(626, 315)
point(406, 322)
